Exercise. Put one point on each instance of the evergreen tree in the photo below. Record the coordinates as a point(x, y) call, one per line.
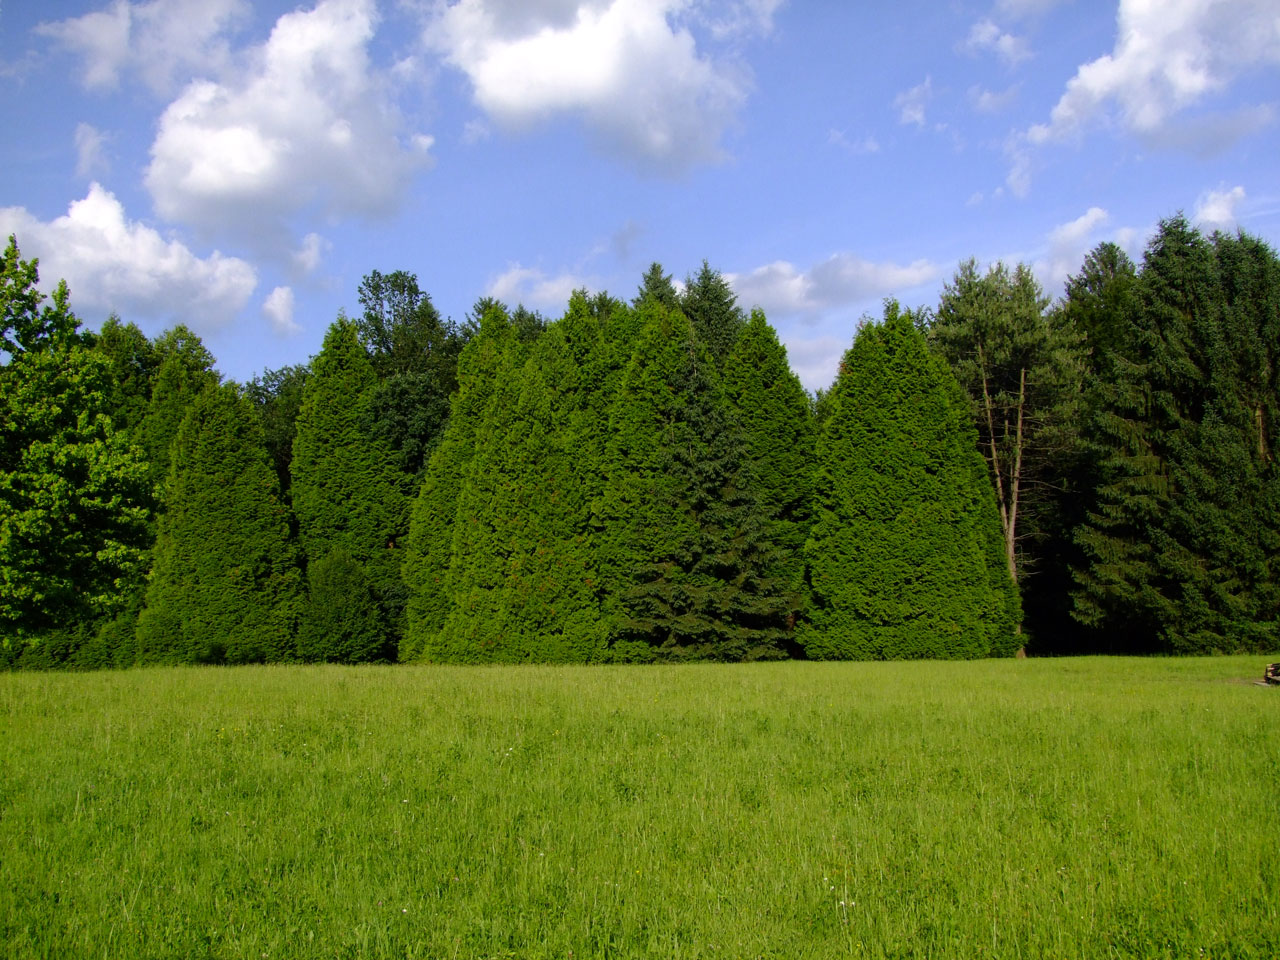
point(225, 583)
point(342, 620)
point(1023, 370)
point(712, 308)
point(277, 395)
point(428, 554)
point(134, 362)
point(901, 558)
point(185, 371)
point(1180, 546)
point(346, 489)
point(657, 285)
point(776, 421)
point(685, 550)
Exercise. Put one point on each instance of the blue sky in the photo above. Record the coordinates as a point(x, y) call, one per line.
point(239, 166)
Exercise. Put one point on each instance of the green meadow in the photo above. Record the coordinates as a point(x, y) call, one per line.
point(1038, 808)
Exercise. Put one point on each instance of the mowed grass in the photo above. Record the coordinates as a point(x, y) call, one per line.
point(1069, 808)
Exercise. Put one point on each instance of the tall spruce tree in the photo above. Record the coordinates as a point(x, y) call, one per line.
point(347, 492)
point(428, 554)
point(686, 552)
point(658, 286)
point(777, 425)
point(711, 306)
point(225, 584)
point(901, 558)
point(1180, 548)
point(186, 370)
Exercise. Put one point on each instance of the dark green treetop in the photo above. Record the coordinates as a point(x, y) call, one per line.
point(711, 306)
point(657, 285)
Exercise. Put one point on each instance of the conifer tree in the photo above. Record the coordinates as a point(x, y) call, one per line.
point(657, 285)
point(185, 371)
point(347, 492)
point(901, 558)
point(1180, 546)
point(342, 620)
point(225, 585)
point(712, 308)
point(428, 554)
point(776, 421)
point(685, 550)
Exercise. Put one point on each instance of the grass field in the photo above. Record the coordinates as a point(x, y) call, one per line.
point(1062, 808)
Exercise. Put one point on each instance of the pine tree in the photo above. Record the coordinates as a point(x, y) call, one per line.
point(185, 371)
point(658, 286)
point(428, 555)
point(342, 620)
point(685, 550)
point(347, 492)
point(225, 585)
point(712, 308)
point(902, 561)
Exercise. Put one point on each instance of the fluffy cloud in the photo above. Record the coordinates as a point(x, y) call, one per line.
point(840, 280)
point(1217, 209)
point(114, 264)
point(308, 127)
point(163, 41)
point(1067, 246)
point(911, 104)
point(816, 359)
point(278, 309)
point(89, 143)
point(986, 37)
point(533, 288)
point(1168, 56)
point(626, 67)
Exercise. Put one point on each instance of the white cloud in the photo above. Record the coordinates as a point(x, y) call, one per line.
point(1067, 245)
point(815, 360)
point(631, 72)
point(1169, 55)
point(89, 144)
point(840, 280)
point(985, 37)
point(1216, 209)
point(533, 288)
point(911, 104)
point(312, 250)
point(278, 309)
point(859, 147)
point(114, 264)
point(165, 41)
point(308, 127)
point(991, 101)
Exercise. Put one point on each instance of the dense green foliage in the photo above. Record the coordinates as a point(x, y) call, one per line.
point(649, 481)
point(1183, 540)
point(225, 586)
point(899, 556)
point(1072, 809)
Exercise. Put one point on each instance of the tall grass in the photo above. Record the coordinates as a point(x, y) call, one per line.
point(1070, 808)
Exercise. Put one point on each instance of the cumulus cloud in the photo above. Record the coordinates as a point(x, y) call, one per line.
point(308, 127)
point(1216, 209)
point(533, 288)
point(309, 254)
point(985, 37)
point(815, 359)
point(1067, 245)
point(89, 143)
point(115, 264)
point(278, 309)
point(911, 104)
point(840, 280)
point(163, 41)
point(1167, 57)
point(627, 68)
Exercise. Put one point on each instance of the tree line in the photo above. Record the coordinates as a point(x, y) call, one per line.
point(647, 480)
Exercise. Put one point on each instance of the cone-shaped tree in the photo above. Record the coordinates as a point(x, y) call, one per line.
point(428, 554)
point(901, 557)
point(225, 585)
point(777, 425)
point(658, 286)
point(346, 489)
point(711, 306)
point(685, 550)
point(1182, 544)
point(185, 371)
